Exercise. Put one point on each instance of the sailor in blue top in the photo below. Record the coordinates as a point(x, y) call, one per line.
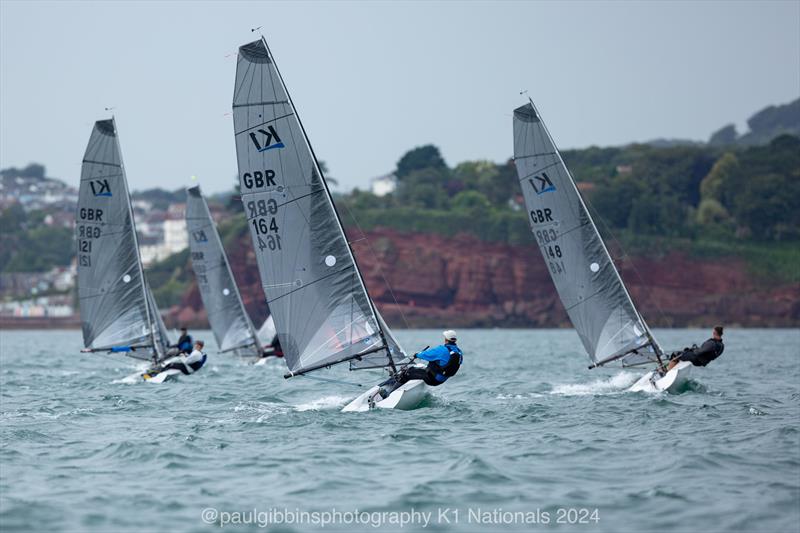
point(443, 363)
point(184, 344)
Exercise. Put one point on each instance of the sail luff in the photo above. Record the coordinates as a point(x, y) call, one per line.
point(156, 351)
point(594, 226)
point(332, 204)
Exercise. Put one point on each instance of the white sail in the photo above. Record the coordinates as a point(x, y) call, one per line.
point(588, 283)
point(117, 308)
point(227, 316)
point(322, 312)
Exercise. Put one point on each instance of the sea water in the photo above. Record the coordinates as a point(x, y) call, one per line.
point(524, 438)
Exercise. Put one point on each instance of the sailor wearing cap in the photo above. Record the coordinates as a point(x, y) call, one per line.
point(443, 362)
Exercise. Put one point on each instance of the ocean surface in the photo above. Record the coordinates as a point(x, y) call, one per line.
point(524, 438)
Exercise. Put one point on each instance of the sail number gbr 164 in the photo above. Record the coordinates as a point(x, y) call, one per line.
point(265, 226)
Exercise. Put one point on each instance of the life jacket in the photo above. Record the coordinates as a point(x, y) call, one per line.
point(197, 365)
point(185, 344)
point(454, 363)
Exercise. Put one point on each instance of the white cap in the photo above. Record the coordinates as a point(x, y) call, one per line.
point(449, 335)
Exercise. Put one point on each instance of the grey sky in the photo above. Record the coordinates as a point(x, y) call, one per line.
point(372, 80)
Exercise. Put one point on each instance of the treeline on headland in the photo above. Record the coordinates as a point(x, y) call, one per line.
point(729, 189)
point(739, 200)
point(683, 191)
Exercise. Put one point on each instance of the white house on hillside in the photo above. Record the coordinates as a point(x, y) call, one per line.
point(383, 185)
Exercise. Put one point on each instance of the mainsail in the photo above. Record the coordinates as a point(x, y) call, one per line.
point(588, 283)
point(322, 312)
point(229, 321)
point(116, 306)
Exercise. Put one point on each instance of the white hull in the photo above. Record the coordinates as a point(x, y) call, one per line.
point(672, 381)
point(407, 396)
point(161, 377)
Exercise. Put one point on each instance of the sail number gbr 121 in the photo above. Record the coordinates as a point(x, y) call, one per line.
point(265, 226)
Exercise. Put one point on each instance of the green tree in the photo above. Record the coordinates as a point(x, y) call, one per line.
point(471, 201)
point(769, 206)
point(613, 201)
point(711, 212)
point(721, 175)
point(424, 188)
point(419, 158)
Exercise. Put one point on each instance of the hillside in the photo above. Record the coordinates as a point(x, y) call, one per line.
point(700, 231)
point(463, 281)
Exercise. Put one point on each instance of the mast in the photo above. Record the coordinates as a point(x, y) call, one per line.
point(385, 345)
point(136, 243)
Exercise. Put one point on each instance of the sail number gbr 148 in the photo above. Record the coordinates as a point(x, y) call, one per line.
point(265, 225)
point(552, 252)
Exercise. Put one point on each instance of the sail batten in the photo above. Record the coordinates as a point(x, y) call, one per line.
point(586, 278)
point(321, 308)
point(117, 307)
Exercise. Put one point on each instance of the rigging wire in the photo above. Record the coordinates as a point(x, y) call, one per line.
point(380, 270)
point(625, 256)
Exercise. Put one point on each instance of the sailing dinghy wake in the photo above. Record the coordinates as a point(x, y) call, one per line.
point(610, 327)
point(322, 311)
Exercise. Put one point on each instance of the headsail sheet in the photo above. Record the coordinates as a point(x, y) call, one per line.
point(228, 318)
point(321, 309)
point(582, 270)
point(113, 302)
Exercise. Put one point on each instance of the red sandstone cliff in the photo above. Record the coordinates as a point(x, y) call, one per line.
point(464, 282)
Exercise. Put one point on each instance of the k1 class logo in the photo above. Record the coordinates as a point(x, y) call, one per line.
point(199, 236)
point(100, 187)
point(542, 184)
point(269, 136)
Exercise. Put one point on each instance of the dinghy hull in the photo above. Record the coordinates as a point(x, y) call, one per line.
point(672, 381)
point(405, 397)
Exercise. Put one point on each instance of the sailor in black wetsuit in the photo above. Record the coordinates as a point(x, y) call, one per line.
point(273, 350)
point(710, 350)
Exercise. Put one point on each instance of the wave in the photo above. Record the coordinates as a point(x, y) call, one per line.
point(614, 385)
point(324, 403)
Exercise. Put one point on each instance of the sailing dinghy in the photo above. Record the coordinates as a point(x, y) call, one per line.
point(601, 310)
point(227, 315)
point(118, 311)
point(316, 294)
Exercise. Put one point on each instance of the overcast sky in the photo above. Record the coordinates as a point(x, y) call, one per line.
point(372, 80)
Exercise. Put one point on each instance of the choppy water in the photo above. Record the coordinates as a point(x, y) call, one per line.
point(523, 427)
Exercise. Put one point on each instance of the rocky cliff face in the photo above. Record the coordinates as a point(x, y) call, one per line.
point(426, 280)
